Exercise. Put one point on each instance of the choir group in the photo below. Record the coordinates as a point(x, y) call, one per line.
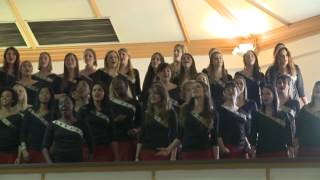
point(103, 115)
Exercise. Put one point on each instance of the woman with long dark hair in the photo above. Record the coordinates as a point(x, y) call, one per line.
point(271, 131)
point(90, 60)
point(159, 126)
point(44, 75)
point(156, 59)
point(35, 122)
point(283, 64)
point(10, 69)
point(188, 69)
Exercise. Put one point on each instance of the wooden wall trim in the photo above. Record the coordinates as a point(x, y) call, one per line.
point(95, 9)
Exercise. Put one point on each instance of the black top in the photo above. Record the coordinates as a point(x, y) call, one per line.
point(66, 145)
point(6, 80)
point(232, 126)
point(308, 125)
point(292, 107)
point(175, 97)
point(194, 135)
point(32, 91)
point(34, 127)
point(216, 88)
point(248, 108)
point(253, 87)
point(134, 85)
point(10, 132)
point(297, 81)
point(132, 119)
point(99, 122)
point(271, 135)
point(47, 81)
point(155, 133)
point(60, 87)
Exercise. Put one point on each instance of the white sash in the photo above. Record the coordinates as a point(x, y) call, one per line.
point(6, 122)
point(236, 112)
point(174, 102)
point(124, 104)
point(39, 117)
point(68, 127)
point(288, 110)
point(45, 78)
point(159, 120)
point(278, 121)
point(201, 120)
point(101, 116)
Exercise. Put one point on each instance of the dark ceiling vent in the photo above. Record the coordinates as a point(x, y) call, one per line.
point(10, 35)
point(73, 31)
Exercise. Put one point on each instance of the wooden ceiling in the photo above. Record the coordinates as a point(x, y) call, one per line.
point(146, 26)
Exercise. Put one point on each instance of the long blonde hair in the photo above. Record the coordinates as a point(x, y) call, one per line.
point(131, 74)
point(22, 104)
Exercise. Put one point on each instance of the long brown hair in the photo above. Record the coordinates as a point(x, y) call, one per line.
point(211, 67)
point(94, 55)
point(106, 59)
point(16, 65)
point(256, 68)
point(193, 69)
point(50, 61)
point(290, 66)
point(207, 112)
point(165, 104)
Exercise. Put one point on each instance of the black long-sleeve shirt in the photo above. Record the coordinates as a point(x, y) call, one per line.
point(154, 134)
point(232, 126)
point(132, 119)
point(6, 80)
point(194, 135)
point(271, 134)
point(33, 128)
point(134, 85)
point(67, 145)
point(10, 132)
point(100, 123)
point(248, 108)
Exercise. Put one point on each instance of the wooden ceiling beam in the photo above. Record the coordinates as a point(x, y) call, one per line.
point(294, 31)
point(23, 26)
point(268, 12)
point(181, 21)
point(95, 9)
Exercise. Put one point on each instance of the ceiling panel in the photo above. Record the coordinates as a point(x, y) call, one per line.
point(54, 9)
point(142, 20)
point(10, 35)
point(293, 10)
point(5, 12)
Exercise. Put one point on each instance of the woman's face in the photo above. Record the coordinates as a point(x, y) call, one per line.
point(88, 58)
point(20, 91)
point(83, 89)
point(44, 60)
point(97, 93)
point(112, 60)
point(283, 58)
point(177, 53)
point(44, 95)
point(230, 93)
point(186, 61)
point(6, 98)
point(155, 61)
point(154, 96)
point(11, 57)
point(71, 62)
point(26, 69)
point(120, 88)
point(202, 78)
point(267, 96)
point(65, 105)
point(197, 90)
point(283, 86)
point(240, 84)
point(217, 60)
point(165, 74)
point(249, 59)
point(124, 57)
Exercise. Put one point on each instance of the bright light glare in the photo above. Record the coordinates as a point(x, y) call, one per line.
point(242, 49)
